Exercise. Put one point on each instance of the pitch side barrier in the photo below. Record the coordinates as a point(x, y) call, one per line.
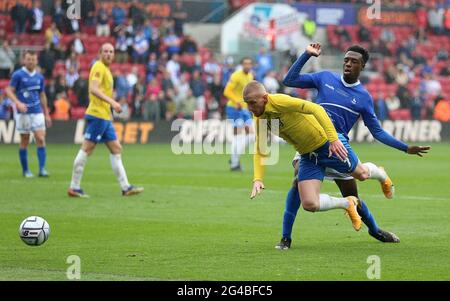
point(215, 131)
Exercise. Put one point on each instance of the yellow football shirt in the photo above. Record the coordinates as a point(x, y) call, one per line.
point(303, 124)
point(98, 107)
point(235, 87)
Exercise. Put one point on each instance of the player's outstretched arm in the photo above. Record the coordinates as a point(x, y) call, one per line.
point(293, 78)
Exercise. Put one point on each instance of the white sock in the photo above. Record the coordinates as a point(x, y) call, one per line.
point(328, 202)
point(234, 151)
point(375, 172)
point(242, 143)
point(119, 170)
point(78, 168)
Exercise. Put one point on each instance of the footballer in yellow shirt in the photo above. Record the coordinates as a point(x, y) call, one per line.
point(99, 127)
point(307, 127)
point(237, 111)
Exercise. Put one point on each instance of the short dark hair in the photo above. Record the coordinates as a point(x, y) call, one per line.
point(360, 49)
point(30, 52)
point(246, 58)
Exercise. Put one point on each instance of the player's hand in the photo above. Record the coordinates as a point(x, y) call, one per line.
point(117, 107)
point(418, 150)
point(21, 107)
point(314, 49)
point(337, 148)
point(48, 120)
point(258, 186)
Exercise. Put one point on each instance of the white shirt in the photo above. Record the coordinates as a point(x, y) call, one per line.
point(39, 19)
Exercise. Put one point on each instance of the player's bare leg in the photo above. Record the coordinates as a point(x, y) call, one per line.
point(39, 136)
point(23, 155)
point(87, 148)
point(236, 146)
point(313, 201)
point(116, 163)
point(369, 170)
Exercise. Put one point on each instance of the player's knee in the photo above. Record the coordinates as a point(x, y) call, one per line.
point(310, 205)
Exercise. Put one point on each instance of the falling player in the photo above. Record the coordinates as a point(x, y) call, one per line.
point(99, 126)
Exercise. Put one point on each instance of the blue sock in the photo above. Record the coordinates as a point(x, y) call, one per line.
point(290, 212)
point(42, 155)
point(368, 218)
point(23, 156)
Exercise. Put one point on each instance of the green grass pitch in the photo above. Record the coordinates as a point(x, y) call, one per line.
point(195, 220)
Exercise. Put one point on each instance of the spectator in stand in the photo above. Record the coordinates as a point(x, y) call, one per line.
point(133, 77)
point(198, 89)
point(417, 102)
point(170, 105)
point(401, 77)
point(138, 97)
point(152, 67)
point(19, 15)
point(433, 87)
point(211, 69)
point(122, 44)
point(103, 21)
point(50, 92)
point(227, 70)
point(390, 74)
point(153, 89)
point(166, 27)
point(53, 36)
point(152, 109)
point(148, 29)
point(47, 59)
point(88, 12)
point(121, 85)
point(136, 14)
point(62, 107)
point(392, 102)
point(81, 90)
point(436, 20)
point(36, 17)
point(73, 61)
point(6, 105)
point(58, 14)
point(447, 21)
point(442, 110)
point(155, 41)
point(118, 15)
point(271, 83)
point(125, 114)
point(182, 88)
point(442, 55)
point(179, 15)
point(343, 35)
point(61, 85)
point(71, 76)
point(381, 108)
point(380, 48)
point(387, 36)
point(166, 82)
point(216, 89)
point(187, 105)
point(7, 59)
point(173, 43)
point(212, 106)
point(264, 63)
point(140, 48)
point(188, 46)
point(364, 34)
point(446, 70)
point(309, 28)
point(174, 69)
point(77, 44)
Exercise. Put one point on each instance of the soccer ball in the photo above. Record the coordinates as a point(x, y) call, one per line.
point(34, 231)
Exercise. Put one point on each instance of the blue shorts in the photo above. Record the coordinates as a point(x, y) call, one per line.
point(240, 118)
point(99, 130)
point(313, 164)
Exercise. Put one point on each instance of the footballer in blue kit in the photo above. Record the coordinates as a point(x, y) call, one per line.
point(345, 100)
point(26, 90)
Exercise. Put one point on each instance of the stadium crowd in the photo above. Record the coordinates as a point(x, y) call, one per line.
point(161, 73)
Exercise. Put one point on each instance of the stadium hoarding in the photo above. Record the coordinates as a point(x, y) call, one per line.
point(213, 130)
point(328, 13)
point(388, 17)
